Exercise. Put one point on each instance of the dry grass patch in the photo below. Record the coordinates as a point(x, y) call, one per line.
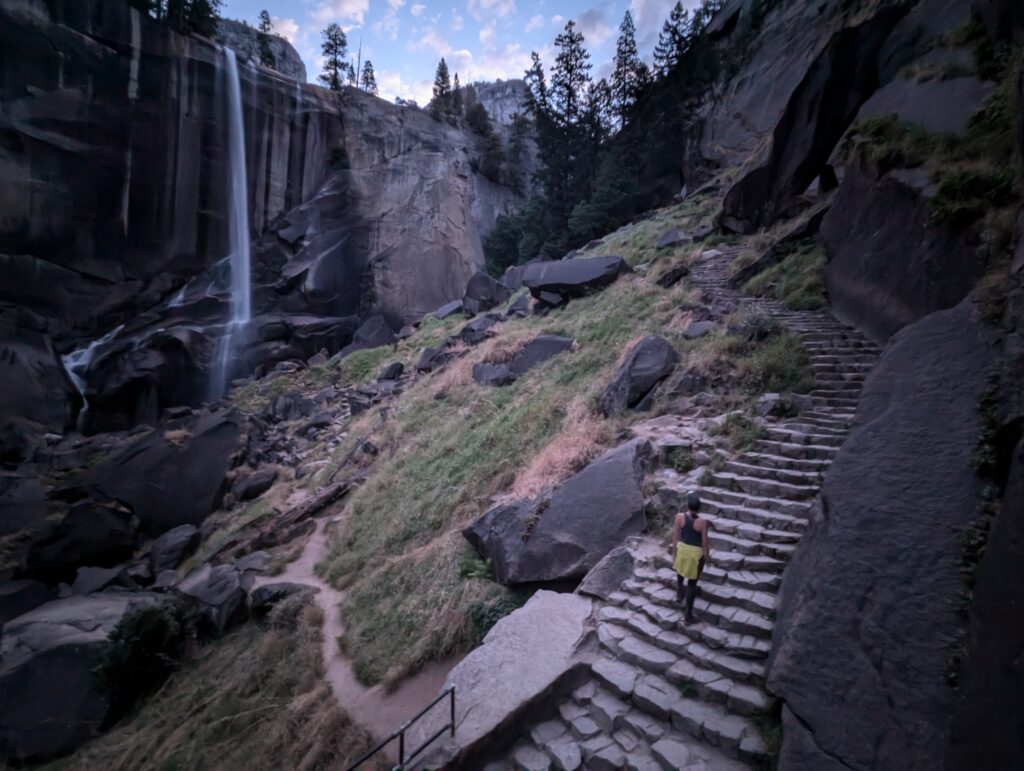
point(584, 437)
point(255, 700)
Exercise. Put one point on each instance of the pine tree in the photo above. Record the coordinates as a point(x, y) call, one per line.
point(673, 40)
point(369, 80)
point(456, 97)
point(442, 91)
point(626, 77)
point(334, 48)
point(201, 17)
point(263, 33)
point(571, 75)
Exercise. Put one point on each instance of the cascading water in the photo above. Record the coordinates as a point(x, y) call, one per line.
point(238, 227)
point(77, 363)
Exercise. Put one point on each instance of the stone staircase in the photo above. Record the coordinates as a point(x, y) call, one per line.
point(666, 695)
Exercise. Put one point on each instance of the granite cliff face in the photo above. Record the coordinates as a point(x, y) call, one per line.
point(245, 40)
point(114, 167)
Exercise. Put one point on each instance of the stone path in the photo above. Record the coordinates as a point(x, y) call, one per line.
point(664, 695)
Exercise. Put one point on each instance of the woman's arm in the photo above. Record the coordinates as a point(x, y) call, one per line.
point(706, 541)
point(675, 535)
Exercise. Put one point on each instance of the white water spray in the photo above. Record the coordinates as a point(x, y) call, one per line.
point(77, 364)
point(238, 225)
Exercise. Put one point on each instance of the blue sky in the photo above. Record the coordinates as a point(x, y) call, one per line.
point(480, 39)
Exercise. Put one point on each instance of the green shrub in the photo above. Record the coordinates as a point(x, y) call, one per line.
point(798, 281)
point(144, 648)
point(778, 364)
point(741, 431)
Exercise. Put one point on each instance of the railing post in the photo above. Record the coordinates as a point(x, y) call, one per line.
point(451, 693)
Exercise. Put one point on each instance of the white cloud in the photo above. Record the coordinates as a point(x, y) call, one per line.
point(486, 33)
point(341, 10)
point(506, 63)
point(417, 9)
point(389, 24)
point(557, 21)
point(430, 40)
point(594, 27)
point(479, 9)
point(457, 21)
point(391, 84)
point(286, 28)
point(396, 4)
point(535, 22)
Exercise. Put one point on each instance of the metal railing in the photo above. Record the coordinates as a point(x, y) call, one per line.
point(403, 760)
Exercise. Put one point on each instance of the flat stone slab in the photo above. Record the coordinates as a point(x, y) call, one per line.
point(521, 658)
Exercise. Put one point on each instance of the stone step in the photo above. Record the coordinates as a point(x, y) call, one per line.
point(762, 518)
point(656, 706)
point(844, 358)
point(840, 377)
point(668, 611)
point(743, 579)
point(836, 393)
point(851, 367)
point(839, 402)
point(825, 421)
point(729, 618)
point(723, 592)
point(775, 473)
point(751, 531)
point(713, 497)
point(763, 487)
point(828, 339)
point(796, 449)
point(767, 460)
point(736, 543)
point(811, 427)
point(792, 436)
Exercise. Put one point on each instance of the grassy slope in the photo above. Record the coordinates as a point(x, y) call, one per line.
point(254, 700)
point(449, 446)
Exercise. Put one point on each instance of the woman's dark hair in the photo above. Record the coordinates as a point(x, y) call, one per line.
point(693, 501)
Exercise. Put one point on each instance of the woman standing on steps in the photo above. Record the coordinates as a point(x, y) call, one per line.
point(691, 550)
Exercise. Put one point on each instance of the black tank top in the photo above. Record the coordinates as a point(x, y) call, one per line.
point(688, 534)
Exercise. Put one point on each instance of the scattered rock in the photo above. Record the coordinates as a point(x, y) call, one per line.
point(50, 701)
point(288, 407)
point(484, 293)
point(650, 362)
point(478, 330)
point(673, 237)
point(450, 309)
point(520, 307)
point(538, 350)
point(255, 484)
point(392, 371)
point(672, 276)
point(170, 549)
point(434, 358)
point(219, 595)
point(256, 562)
point(696, 329)
point(265, 597)
point(563, 538)
point(372, 333)
point(607, 576)
point(167, 579)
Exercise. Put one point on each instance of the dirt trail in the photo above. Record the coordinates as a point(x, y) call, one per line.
point(375, 709)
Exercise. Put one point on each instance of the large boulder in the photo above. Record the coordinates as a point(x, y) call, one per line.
point(484, 293)
point(372, 333)
point(651, 361)
point(91, 533)
point(888, 263)
point(572, 278)
point(525, 657)
point(266, 596)
point(143, 475)
point(255, 484)
point(988, 725)
point(219, 596)
point(18, 597)
point(559, 540)
point(171, 548)
point(870, 603)
point(50, 698)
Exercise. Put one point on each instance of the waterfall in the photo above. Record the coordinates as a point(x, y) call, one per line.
point(77, 364)
point(238, 227)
